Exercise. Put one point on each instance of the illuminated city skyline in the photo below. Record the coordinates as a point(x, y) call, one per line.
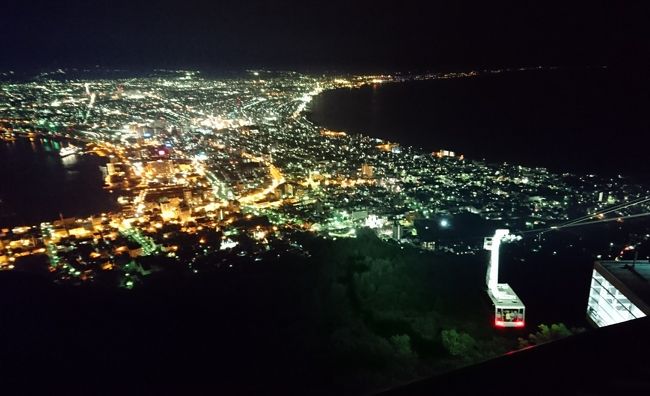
point(199, 153)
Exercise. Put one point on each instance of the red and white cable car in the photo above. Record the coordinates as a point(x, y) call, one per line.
point(509, 311)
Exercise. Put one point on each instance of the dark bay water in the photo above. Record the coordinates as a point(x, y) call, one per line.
point(36, 184)
point(586, 120)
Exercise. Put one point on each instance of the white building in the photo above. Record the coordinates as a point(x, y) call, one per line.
point(620, 291)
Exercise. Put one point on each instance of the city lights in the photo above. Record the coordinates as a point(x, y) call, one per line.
point(189, 156)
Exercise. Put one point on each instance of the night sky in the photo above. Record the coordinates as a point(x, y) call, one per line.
point(320, 35)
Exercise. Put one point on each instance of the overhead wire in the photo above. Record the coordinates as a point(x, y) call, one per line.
point(584, 219)
point(608, 210)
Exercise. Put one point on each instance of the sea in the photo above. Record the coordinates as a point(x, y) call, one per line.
point(592, 120)
point(37, 184)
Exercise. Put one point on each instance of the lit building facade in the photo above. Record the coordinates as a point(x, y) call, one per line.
point(619, 291)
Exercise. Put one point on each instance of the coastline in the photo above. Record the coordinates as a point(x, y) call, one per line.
point(424, 114)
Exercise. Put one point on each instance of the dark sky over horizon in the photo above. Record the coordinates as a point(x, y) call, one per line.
point(331, 34)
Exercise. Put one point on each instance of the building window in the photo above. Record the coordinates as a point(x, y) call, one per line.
point(607, 305)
